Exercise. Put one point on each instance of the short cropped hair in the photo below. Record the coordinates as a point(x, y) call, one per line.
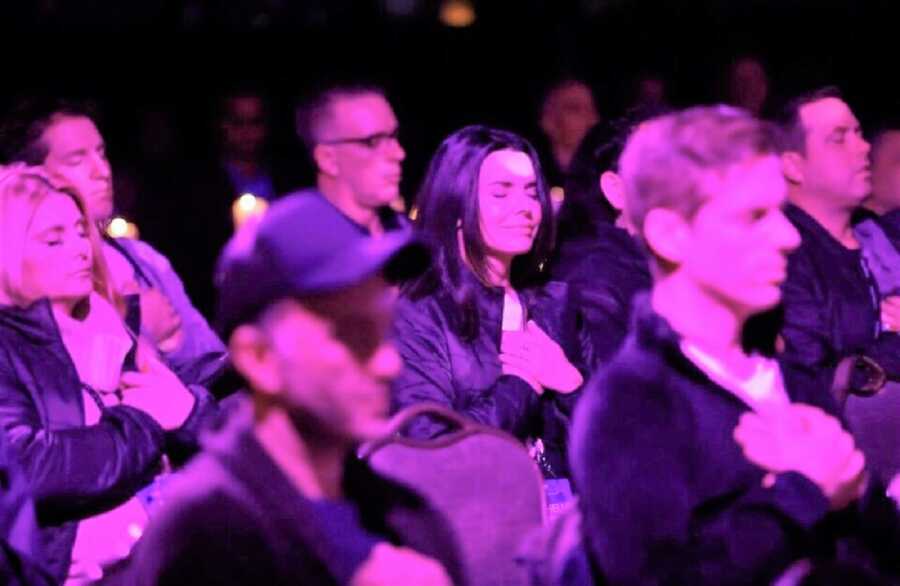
point(313, 113)
point(664, 160)
point(793, 133)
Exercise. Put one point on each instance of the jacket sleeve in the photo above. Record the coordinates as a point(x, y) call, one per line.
point(79, 471)
point(508, 404)
point(646, 521)
point(184, 442)
point(202, 357)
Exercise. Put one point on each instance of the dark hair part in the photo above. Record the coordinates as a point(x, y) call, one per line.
point(448, 202)
point(314, 111)
point(793, 134)
point(22, 131)
point(585, 206)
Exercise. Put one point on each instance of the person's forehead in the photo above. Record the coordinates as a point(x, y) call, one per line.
point(755, 181)
point(364, 113)
point(72, 132)
point(576, 92)
point(826, 114)
point(507, 164)
point(749, 67)
point(245, 106)
point(55, 209)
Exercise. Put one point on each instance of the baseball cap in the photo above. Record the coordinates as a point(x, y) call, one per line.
point(303, 245)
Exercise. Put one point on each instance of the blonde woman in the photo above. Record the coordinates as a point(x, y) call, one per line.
point(88, 406)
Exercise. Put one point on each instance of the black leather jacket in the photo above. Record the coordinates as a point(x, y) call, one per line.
point(75, 471)
point(465, 375)
point(831, 306)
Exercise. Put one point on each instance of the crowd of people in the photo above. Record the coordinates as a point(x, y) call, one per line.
point(688, 317)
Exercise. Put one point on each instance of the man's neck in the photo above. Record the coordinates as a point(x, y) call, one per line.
point(836, 220)
point(315, 468)
point(563, 156)
point(698, 317)
point(342, 198)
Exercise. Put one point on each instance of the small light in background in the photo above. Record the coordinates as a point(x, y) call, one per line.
point(557, 197)
point(247, 206)
point(119, 227)
point(457, 13)
point(413, 213)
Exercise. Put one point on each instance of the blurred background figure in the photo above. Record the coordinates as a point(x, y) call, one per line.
point(568, 111)
point(241, 161)
point(748, 86)
point(650, 90)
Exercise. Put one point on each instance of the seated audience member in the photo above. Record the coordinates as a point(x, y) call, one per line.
point(88, 407)
point(597, 252)
point(63, 138)
point(482, 332)
point(568, 111)
point(747, 85)
point(351, 133)
point(242, 160)
point(877, 226)
point(832, 307)
point(698, 462)
point(278, 496)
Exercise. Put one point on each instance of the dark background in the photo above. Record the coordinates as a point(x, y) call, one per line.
point(174, 57)
point(156, 66)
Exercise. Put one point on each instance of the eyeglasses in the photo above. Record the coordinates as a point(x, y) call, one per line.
point(373, 141)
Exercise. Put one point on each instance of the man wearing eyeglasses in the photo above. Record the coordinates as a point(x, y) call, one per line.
point(350, 132)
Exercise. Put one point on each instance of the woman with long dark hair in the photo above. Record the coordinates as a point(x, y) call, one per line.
point(483, 332)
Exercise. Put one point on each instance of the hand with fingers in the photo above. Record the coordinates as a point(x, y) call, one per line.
point(804, 439)
point(890, 313)
point(157, 391)
point(534, 356)
point(389, 565)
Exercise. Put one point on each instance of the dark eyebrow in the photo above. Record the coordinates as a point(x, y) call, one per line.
point(76, 152)
point(502, 183)
point(51, 230)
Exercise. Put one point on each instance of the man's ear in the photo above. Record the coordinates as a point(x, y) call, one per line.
point(613, 189)
point(325, 158)
point(253, 359)
point(667, 234)
point(793, 166)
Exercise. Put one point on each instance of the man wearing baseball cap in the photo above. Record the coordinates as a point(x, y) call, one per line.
point(278, 497)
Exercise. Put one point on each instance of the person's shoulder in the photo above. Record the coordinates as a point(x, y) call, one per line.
point(145, 253)
point(202, 501)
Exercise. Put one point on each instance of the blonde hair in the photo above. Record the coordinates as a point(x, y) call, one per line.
point(663, 163)
point(22, 191)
